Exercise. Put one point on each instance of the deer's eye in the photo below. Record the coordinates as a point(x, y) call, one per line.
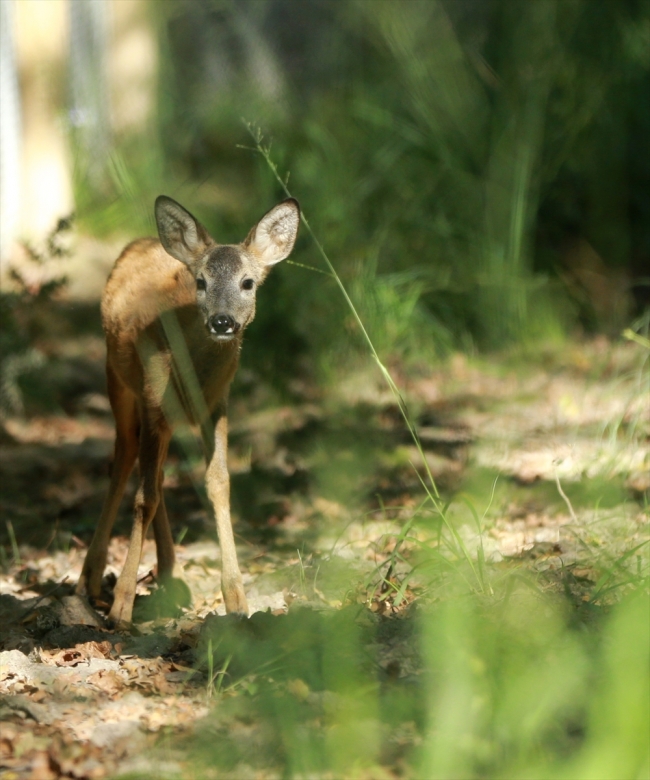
point(247, 284)
point(200, 284)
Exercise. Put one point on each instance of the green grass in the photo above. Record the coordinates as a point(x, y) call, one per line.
point(467, 686)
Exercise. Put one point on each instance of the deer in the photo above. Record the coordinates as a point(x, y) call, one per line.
point(174, 311)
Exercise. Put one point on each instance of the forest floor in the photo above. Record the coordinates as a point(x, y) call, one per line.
point(543, 461)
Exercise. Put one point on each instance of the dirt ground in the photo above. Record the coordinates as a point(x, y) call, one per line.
point(552, 451)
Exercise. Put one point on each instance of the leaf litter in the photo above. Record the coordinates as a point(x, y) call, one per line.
point(322, 492)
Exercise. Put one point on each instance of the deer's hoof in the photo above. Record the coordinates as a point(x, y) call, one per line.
point(121, 614)
point(235, 599)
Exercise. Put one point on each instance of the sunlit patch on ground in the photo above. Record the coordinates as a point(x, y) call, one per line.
point(543, 473)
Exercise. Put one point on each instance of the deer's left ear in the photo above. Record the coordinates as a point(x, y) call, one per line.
point(272, 239)
point(182, 235)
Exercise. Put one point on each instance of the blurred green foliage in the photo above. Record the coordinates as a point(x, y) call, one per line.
point(453, 156)
point(24, 318)
point(519, 684)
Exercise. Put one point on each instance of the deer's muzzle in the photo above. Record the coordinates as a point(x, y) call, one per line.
point(223, 326)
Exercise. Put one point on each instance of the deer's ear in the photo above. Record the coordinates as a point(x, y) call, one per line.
point(183, 236)
point(272, 239)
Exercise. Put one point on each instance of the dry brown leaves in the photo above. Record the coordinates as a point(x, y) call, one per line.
point(40, 752)
point(78, 654)
point(78, 712)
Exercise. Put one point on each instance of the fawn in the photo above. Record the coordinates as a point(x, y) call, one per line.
point(174, 313)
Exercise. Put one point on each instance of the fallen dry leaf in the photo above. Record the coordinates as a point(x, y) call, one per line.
point(109, 681)
point(148, 675)
point(96, 649)
point(62, 685)
point(67, 657)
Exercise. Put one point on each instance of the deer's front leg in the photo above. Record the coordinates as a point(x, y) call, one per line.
point(218, 487)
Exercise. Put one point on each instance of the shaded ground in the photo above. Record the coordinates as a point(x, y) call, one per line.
point(551, 454)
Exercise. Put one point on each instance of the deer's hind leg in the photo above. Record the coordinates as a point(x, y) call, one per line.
point(169, 576)
point(163, 536)
point(154, 442)
point(127, 424)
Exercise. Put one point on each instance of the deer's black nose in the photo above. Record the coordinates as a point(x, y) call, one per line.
point(223, 325)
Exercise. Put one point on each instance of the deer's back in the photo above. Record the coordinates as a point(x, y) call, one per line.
point(144, 282)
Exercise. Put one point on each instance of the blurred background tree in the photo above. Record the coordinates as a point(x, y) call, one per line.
point(478, 170)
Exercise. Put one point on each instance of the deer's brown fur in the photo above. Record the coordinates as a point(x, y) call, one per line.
point(174, 312)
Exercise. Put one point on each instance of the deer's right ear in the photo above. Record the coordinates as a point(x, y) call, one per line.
point(272, 239)
point(183, 236)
